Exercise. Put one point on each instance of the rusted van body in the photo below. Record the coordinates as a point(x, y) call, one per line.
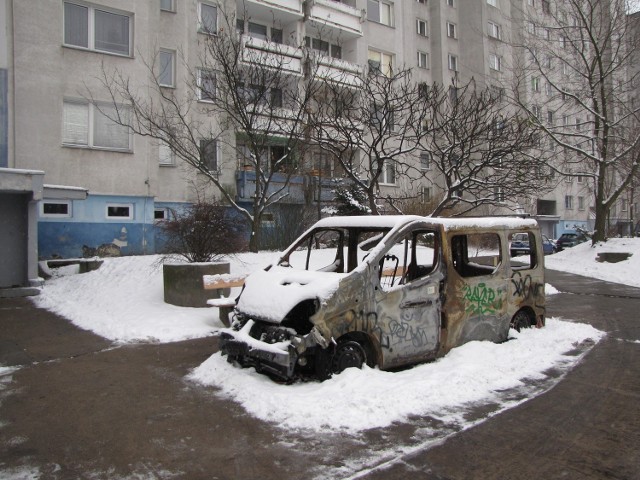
point(387, 291)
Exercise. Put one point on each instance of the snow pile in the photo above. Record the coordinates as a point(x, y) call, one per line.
point(581, 260)
point(472, 374)
point(124, 300)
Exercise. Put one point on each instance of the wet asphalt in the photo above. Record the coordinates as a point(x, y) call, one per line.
point(81, 407)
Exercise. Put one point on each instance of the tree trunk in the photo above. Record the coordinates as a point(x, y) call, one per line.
point(256, 234)
point(600, 227)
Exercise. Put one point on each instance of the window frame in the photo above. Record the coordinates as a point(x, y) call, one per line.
point(420, 22)
point(423, 64)
point(452, 62)
point(380, 62)
point(201, 27)
point(495, 62)
point(494, 30)
point(429, 159)
point(171, 8)
point(92, 110)
point(452, 30)
point(172, 73)
point(129, 216)
point(379, 19)
point(163, 146)
point(68, 214)
point(199, 83)
point(217, 153)
point(91, 28)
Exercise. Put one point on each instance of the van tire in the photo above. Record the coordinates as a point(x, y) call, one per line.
point(522, 319)
point(347, 352)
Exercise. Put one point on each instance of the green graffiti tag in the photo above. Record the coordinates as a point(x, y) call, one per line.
point(481, 299)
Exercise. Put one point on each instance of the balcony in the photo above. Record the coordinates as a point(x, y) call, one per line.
point(338, 71)
point(274, 55)
point(339, 20)
point(283, 11)
point(301, 188)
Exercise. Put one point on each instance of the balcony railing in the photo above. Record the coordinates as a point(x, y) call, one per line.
point(286, 10)
point(301, 188)
point(274, 55)
point(338, 71)
point(332, 15)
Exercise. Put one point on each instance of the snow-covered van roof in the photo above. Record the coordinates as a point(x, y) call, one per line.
point(391, 221)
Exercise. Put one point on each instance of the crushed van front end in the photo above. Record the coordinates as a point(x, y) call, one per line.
point(270, 348)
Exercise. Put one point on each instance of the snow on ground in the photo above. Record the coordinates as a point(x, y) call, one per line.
point(123, 301)
point(360, 399)
point(581, 260)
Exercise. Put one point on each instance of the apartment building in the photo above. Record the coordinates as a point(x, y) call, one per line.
point(106, 186)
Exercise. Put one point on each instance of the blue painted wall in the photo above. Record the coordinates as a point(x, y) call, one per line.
point(89, 227)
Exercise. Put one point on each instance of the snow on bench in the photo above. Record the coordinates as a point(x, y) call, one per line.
point(221, 282)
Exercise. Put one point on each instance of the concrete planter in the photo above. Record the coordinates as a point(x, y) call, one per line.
point(183, 283)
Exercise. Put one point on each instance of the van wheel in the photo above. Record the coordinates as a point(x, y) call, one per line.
point(348, 354)
point(334, 359)
point(521, 320)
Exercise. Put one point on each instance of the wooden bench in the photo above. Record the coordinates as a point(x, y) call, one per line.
point(221, 284)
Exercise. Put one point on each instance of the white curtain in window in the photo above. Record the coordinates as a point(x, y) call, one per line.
point(76, 25)
point(208, 18)
point(165, 75)
point(107, 133)
point(75, 123)
point(111, 32)
point(165, 155)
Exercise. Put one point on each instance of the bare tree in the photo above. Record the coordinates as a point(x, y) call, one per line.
point(480, 148)
point(371, 127)
point(248, 95)
point(581, 53)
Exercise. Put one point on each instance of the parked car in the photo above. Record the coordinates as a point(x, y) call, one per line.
point(519, 244)
point(568, 240)
point(548, 245)
point(385, 291)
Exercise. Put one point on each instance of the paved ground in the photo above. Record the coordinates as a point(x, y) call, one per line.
point(81, 407)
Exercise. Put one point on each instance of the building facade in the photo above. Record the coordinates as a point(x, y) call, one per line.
point(56, 56)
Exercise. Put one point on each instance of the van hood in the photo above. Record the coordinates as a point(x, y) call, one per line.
point(269, 295)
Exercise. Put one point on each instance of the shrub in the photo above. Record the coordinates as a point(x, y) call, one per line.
point(202, 233)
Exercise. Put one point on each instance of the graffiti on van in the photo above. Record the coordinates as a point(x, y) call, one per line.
point(481, 299)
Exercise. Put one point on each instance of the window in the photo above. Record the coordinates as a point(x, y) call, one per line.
point(580, 203)
point(166, 156)
point(531, 28)
point(207, 18)
point(421, 1)
point(206, 85)
point(546, 7)
point(469, 254)
point(451, 3)
point(257, 30)
point(565, 120)
point(453, 63)
point(167, 5)
point(547, 89)
point(578, 123)
point(494, 30)
point(388, 173)
point(425, 161)
point(160, 214)
point(166, 74)
point(623, 204)
point(120, 211)
point(421, 27)
point(89, 125)
point(568, 202)
point(209, 154)
point(535, 84)
point(451, 30)
point(423, 60)
point(493, 3)
point(545, 33)
point(522, 246)
point(497, 93)
point(580, 179)
point(535, 111)
point(59, 209)
point(323, 47)
point(563, 41)
point(380, 62)
point(531, 3)
point(495, 62)
point(97, 29)
point(550, 117)
point(425, 194)
point(498, 194)
point(380, 12)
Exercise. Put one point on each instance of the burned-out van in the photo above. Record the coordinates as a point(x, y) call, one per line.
point(387, 291)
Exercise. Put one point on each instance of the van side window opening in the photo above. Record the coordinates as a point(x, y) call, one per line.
point(412, 258)
point(476, 254)
point(527, 260)
point(322, 250)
